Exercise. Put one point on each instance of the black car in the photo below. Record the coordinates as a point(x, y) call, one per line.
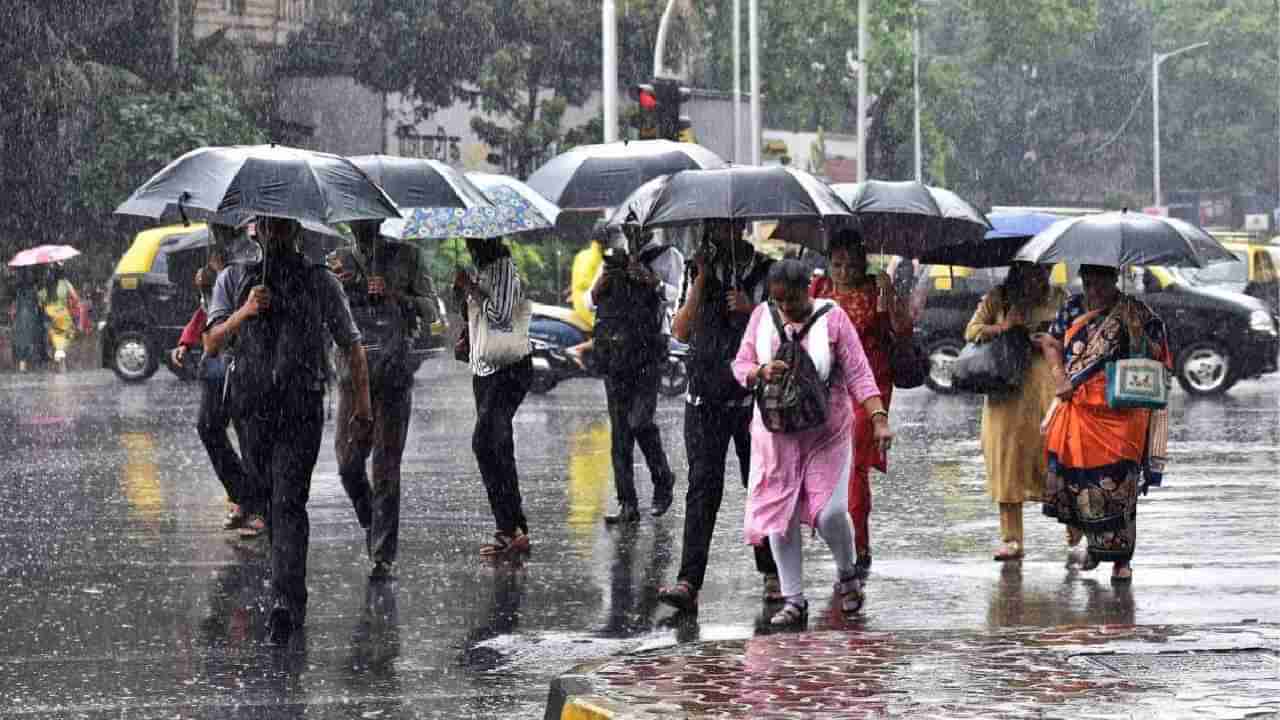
point(1217, 337)
point(152, 296)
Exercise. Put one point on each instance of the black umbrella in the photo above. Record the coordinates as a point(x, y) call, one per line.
point(419, 183)
point(272, 180)
point(1010, 231)
point(734, 193)
point(1116, 239)
point(600, 177)
point(910, 218)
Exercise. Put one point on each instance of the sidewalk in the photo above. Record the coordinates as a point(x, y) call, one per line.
point(1070, 672)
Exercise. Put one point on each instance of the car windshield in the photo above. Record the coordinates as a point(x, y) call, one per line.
point(1228, 273)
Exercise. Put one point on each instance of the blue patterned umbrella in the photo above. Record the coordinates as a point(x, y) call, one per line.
point(516, 209)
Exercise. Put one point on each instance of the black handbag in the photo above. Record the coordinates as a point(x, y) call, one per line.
point(995, 367)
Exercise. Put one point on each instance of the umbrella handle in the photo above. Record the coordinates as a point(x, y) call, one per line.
point(182, 212)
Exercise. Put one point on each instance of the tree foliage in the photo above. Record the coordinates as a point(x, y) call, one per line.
point(139, 134)
point(520, 64)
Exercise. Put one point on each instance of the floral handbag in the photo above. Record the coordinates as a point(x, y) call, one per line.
point(1137, 381)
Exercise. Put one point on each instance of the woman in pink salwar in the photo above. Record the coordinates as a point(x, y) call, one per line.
point(803, 478)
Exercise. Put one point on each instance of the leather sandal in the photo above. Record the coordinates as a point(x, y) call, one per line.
point(1011, 550)
point(680, 596)
point(794, 613)
point(851, 594)
point(504, 544)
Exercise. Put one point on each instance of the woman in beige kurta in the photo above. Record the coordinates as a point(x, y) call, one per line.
point(1011, 442)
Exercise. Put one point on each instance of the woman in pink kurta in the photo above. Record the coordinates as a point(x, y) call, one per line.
point(803, 478)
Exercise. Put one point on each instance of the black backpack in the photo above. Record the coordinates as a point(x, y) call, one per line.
point(717, 333)
point(628, 331)
point(384, 331)
point(800, 399)
point(282, 349)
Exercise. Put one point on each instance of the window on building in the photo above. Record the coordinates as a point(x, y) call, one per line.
point(233, 7)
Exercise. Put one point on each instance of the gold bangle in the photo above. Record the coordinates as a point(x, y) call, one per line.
point(883, 412)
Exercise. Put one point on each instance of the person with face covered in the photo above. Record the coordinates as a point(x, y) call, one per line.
point(727, 279)
point(214, 418)
point(388, 287)
point(494, 299)
point(1101, 458)
point(802, 478)
point(1011, 442)
point(278, 315)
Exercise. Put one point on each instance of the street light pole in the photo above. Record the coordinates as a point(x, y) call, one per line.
point(915, 71)
point(753, 39)
point(1156, 60)
point(609, 43)
point(862, 89)
point(737, 80)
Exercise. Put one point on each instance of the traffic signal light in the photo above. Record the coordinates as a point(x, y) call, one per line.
point(671, 95)
point(647, 98)
point(660, 103)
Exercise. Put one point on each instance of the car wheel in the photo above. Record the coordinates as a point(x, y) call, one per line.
point(132, 358)
point(675, 378)
point(942, 356)
point(1205, 369)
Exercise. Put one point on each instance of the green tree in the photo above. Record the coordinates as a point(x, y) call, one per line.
point(1218, 103)
point(139, 134)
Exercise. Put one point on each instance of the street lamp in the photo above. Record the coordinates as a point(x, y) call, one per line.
point(1156, 59)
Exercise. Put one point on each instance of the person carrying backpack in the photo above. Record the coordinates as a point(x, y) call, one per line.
point(727, 280)
point(278, 315)
point(391, 297)
point(630, 297)
point(806, 367)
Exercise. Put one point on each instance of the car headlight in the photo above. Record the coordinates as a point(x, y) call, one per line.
point(1261, 321)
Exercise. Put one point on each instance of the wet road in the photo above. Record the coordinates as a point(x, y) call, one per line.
point(122, 598)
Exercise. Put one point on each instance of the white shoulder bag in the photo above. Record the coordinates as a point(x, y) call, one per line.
point(500, 348)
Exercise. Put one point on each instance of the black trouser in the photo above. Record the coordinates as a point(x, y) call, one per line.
point(377, 503)
point(633, 400)
point(498, 396)
point(282, 442)
point(708, 429)
point(212, 425)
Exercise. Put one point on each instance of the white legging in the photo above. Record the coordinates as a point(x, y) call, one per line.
point(833, 525)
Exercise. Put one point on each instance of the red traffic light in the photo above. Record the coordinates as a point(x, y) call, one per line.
point(645, 95)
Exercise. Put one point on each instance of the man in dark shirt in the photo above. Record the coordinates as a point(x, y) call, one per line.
point(276, 385)
point(728, 281)
point(391, 295)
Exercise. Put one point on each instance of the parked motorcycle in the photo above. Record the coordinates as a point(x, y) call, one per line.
point(553, 330)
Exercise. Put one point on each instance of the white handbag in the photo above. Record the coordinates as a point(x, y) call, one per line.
point(500, 348)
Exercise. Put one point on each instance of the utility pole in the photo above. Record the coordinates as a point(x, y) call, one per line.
point(609, 43)
point(737, 80)
point(753, 39)
point(1156, 60)
point(176, 16)
point(915, 73)
point(862, 89)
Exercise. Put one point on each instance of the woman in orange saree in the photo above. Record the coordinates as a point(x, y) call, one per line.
point(1100, 458)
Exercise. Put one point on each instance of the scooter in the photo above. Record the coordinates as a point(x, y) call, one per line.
point(553, 330)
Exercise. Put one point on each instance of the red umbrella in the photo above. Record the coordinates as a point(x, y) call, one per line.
point(43, 255)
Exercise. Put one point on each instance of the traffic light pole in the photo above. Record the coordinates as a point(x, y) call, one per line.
point(753, 39)
point(609, 41)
